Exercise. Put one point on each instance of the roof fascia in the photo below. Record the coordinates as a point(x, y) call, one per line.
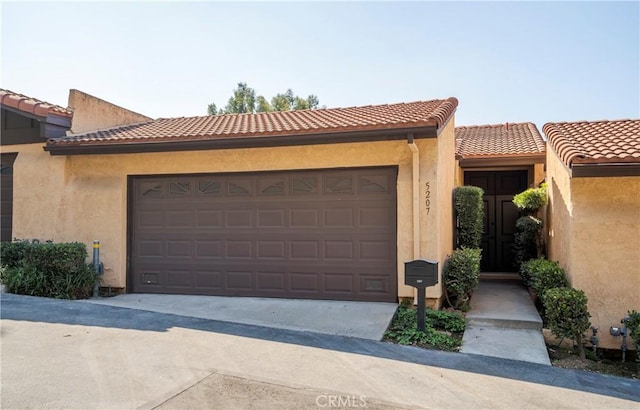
point(496, 161)
point(605, 170)
point(241, 142)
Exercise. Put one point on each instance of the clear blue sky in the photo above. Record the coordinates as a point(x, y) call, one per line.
point(504, 61)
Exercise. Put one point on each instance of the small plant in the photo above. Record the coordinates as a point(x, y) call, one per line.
point(470, 214)
point(632, 322)
point(527, 239)
point(461, 274)
point(403, 330)
point(442, 319)
point(530, 201)
point(543, 275)
point(48, 269)
point(567, 314)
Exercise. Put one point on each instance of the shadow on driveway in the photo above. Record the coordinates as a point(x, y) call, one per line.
point(33, 309)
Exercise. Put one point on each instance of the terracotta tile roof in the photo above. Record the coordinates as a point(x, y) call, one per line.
point(321, 121)
point(500, 140)
point(31, 105)
point(595, 142)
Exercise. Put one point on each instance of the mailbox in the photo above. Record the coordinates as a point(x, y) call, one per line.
point(421, 273)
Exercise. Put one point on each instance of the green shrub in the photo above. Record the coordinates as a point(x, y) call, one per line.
point(567, 314)
point(51, 270)
point(530, 201)
point(527, 242)
point(11, 253)
point(543, 275)
point(470, 214)
point(632, 322)
point(404, 330)
point(461, 274)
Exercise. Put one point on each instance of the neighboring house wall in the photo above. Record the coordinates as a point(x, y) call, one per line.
point(595, 235)
point(91, 113)
point(38, 194)
point(559, 211)
point(87, 194)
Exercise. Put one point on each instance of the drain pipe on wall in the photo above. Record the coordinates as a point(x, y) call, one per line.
point(415, 175)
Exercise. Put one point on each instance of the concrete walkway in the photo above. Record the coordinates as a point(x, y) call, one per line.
point(364, 320)
point(503, 322)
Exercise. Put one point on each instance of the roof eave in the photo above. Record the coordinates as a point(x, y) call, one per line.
point(430, 131)
point(610, 169)
point(498, 160)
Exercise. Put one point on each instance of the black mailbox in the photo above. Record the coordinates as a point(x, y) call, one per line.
point(421, 273)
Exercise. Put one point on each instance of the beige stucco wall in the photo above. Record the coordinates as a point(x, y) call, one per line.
point(595, 235)
point(559, 212)
point(38, 193)
point(91, 113)
point(442, 204)
point(84, 197)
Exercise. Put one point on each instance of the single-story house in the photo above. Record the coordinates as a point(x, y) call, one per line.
point(315, 204)
point(593, 176)
point(503, 160)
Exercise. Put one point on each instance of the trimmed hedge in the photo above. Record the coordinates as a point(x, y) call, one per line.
point(530, 201)
point(527, 234)
point(470, 213)
point(542, 275)
point(461, 275)
point(567, 314)
point(48, 269)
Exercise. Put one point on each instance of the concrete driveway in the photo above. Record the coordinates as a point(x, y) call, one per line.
point(365, 320)
point(61, 354)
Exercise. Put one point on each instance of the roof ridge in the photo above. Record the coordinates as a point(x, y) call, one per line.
point(497, 125)
point(451, 100)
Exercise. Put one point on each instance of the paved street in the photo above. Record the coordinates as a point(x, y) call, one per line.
point(60, 354)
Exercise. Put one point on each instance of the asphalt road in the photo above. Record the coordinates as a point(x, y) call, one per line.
point(60, 354)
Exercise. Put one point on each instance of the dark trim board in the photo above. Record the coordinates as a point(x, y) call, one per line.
point(240, 142)
point(605, 170)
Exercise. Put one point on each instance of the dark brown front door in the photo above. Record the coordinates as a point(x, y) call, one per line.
point(500, 215)
point(322, 234)
point(6, 196)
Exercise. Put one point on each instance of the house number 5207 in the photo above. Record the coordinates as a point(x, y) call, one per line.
point(427, 201)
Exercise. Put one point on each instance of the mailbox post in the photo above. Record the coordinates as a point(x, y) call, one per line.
point(420, 274)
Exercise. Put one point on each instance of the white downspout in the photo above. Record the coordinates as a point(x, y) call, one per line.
point(415, 161)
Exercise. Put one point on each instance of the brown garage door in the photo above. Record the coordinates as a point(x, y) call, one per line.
point(328, 234)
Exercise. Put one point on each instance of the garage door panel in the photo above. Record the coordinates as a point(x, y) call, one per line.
point(339, 282)
point(271, 250)
point(239, 280)
point(305, 234)
point(338, 217)
point(271, 281)
point(209, 279)
point(304, 218)
point(208, 218)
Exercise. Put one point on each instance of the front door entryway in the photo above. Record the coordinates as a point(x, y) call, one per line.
point(500, 215)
